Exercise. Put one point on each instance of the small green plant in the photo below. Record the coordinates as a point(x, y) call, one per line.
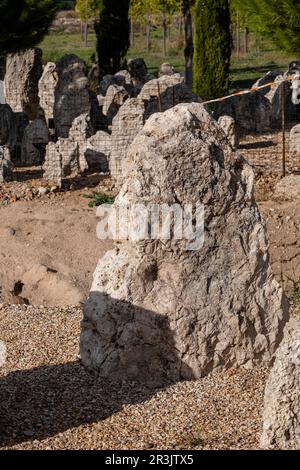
point(97, 199)
point(295, 290)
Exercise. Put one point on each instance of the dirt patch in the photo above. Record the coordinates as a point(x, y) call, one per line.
point(48, 250)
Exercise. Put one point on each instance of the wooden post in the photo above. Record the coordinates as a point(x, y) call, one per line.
point(283, 129)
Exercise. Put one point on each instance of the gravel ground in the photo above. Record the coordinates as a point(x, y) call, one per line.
point(49, 401)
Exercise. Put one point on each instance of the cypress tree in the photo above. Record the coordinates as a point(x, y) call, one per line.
point(112, 30)
point(212, 48)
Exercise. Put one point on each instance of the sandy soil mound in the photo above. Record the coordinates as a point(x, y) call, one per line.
point(48, 250)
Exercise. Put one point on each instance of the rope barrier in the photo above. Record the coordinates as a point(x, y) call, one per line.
point(245, 92)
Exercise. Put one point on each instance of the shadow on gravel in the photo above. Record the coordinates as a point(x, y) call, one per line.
point(258, 145)
point(39, 403)
point(42, 402)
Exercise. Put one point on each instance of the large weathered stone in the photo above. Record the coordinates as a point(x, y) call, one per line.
point(8, 136)
point(53, 163)
point(295, 141)
point(6, 166)
point(71, 94)
point(23, 71)
point(115, 97)
point(274, 96)
point(163, 309)
point(35, 139)
point(157, 95)
point(47, 85)
point(97, 152)
point(269, 77)
point(227, 123)
point(62, 159)
point(68, 156)
point(2, 94)
point(281, 415)
point(252, 112)
point(138, 72)
point(166, 69)
point(109, 80)
point(164, 93)
point(22, 122)
point(127, 123)
point(80, 132)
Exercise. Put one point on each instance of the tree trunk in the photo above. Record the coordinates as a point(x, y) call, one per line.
point(148, 32)
point(82, 31)
point(131, 33)
point(86, 33)
point(238, 47)
point(165, 31)
point(180, 26)
point(189, 44)
point(246, 40)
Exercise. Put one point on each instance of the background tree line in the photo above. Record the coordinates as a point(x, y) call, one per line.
point(209, 29)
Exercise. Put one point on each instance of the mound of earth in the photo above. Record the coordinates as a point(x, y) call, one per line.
point(48, 250)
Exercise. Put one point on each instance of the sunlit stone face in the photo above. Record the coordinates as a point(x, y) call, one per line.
point(294, 72)
point(296, 89)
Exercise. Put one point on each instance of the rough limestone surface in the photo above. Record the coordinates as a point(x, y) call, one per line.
point(47, 85)
point(157, 311)
point(115, 97)
point(269, 77)
point(287, 188)
point(2, 93)
point(164, 93)
point(166, 69)
point(68, 155)
point(23, 71)
point(97, 152)
point(138, 72)
point(35, 139)
point(80, 132)
point(274, 96)
point(72, 96)
point(6, 166)
point(295, 141)
point(21, 121)
point(62, 159)
point(227, 123)
point(252, 112)
point(53, 163)
point(8, 135)
point(281, 414)
point(157, 94)
point(109, 80)
point(125, 126)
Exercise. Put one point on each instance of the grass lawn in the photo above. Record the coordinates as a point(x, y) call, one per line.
point(244, 71)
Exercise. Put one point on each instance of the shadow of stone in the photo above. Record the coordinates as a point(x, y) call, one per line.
point(44, 401)
point(258, 145)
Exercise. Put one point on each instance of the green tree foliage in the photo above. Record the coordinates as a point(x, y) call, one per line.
point(160, 12)
point(112, 29)
point(86, 9)
point(164, 11)
point(212, 43)
point(277, 19)
point(24, 23)
point(66, 4)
